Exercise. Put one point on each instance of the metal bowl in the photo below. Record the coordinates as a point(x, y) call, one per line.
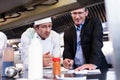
point(10, 71)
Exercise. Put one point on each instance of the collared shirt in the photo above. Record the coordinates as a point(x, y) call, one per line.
point(79, 59)
point(52, 44)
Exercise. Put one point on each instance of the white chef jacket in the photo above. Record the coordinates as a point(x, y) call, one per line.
point(3, 44)
point(52, 44)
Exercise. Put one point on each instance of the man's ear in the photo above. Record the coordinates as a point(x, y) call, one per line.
point(87, 12)
point(35, 27)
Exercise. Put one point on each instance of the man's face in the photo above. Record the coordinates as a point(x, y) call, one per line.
point(44, 30)
point(79, 15)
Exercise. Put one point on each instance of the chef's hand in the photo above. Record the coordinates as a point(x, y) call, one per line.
point(47, 59)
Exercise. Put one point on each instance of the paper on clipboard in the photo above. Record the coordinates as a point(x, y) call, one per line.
point(97, 71)
point(72, 78)
point(22, 79)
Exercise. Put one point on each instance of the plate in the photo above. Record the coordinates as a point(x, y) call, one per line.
point(48, 67)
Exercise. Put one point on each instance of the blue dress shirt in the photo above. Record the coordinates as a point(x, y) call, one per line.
point(79, 59)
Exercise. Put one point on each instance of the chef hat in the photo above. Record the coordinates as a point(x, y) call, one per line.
point(41, 21)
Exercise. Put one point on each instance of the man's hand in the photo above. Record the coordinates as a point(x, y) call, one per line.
point(86, 66)
point(67, 63)
point(47, 59)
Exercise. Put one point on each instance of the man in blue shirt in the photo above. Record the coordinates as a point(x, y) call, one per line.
point(83, 43)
